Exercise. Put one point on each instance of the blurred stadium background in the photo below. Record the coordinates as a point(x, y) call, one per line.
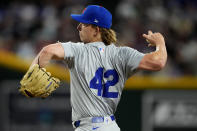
point(152, 101)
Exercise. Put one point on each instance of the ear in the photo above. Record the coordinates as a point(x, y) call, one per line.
point(97, 30)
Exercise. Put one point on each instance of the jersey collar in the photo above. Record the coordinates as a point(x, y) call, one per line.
point(96, 44)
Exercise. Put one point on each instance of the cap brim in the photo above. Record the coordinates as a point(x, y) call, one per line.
point(79, 18)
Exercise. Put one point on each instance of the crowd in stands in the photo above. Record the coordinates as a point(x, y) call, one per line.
point(25, 27)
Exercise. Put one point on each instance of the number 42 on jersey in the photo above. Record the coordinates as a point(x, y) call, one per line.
point(103, 88)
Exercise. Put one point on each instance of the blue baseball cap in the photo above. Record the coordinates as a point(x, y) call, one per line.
point(96, 15)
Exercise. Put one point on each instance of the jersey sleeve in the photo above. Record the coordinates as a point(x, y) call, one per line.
point(129, 59)
point(71, 51)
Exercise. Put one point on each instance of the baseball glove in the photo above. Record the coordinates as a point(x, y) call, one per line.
point(38, 83)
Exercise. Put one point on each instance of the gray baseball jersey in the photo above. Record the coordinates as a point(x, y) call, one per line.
point(98, 73)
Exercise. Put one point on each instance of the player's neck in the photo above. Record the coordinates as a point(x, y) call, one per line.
point(96, 39)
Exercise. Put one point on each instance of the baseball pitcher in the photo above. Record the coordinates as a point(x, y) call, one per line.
point(98, 69)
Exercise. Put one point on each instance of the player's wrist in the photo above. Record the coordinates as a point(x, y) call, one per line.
point(160, 46)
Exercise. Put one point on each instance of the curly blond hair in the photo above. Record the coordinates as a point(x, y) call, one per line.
point(108, 36)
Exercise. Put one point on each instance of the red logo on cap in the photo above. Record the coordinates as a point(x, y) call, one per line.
point(83, 10)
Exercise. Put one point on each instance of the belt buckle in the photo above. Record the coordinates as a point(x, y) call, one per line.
point(97, 119)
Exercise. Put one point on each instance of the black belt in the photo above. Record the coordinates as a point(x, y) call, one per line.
point(94, 120)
